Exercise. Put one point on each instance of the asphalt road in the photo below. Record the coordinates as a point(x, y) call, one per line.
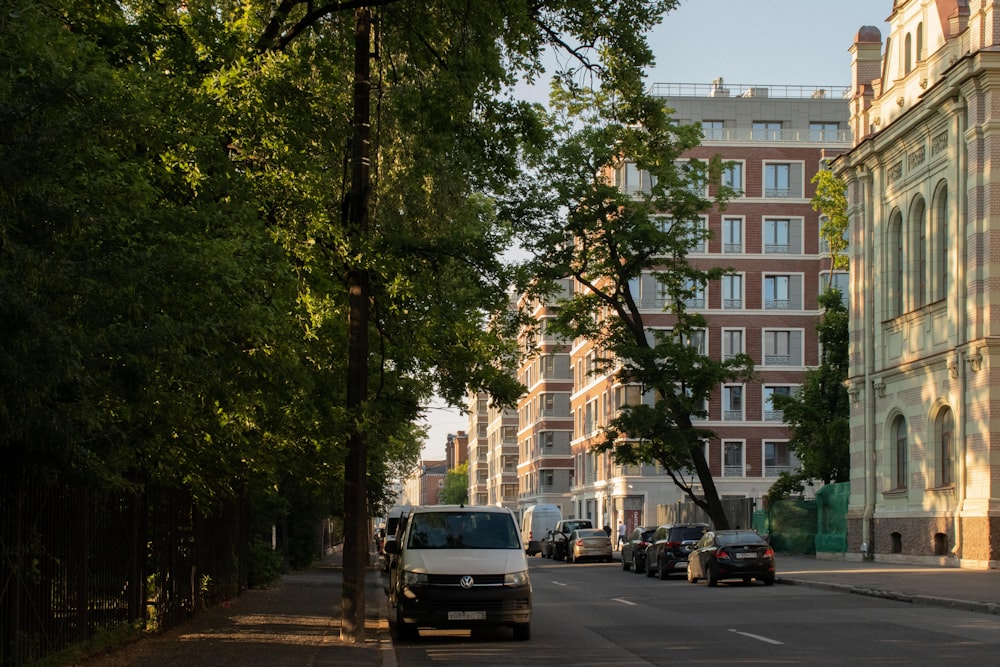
point(597, 614)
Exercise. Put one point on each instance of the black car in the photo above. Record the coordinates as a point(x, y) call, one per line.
point(634, 548)
point(731, 554)
point(670, 548)
point(560, 536)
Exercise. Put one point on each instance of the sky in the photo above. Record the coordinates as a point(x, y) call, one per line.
point(767, 42)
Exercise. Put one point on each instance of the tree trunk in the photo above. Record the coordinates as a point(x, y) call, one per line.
point(352, 628)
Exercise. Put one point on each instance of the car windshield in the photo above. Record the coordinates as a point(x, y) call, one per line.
point(728, 539)
point(647, 535)
point(462, 530)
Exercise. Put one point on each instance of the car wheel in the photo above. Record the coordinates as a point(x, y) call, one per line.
point(405, 631)
point(649, 570)
point(522, 632)
point(662, 571)
point(626, 565)
point(711, 576)
point(768, 579)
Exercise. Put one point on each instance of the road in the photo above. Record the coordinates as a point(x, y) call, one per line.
point(597, 614)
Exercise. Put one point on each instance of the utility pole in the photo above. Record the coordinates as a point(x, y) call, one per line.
point(356, 543)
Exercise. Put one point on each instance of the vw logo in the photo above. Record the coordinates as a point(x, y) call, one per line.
point(466, 581)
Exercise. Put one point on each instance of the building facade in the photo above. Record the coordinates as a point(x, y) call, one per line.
point(925, 441)
point(776, 138)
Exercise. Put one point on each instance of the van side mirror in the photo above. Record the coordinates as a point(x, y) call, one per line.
point(391, 546)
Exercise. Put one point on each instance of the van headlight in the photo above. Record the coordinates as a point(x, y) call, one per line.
point(516, 578)
point(414, 578)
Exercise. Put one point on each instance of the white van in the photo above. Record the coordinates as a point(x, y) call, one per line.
point(536, 522)
point(460, 567)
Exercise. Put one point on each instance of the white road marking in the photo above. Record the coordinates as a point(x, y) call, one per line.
point(559, 583)
point(757, 637)
point(624, 601)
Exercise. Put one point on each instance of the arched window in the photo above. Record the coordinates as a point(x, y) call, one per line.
point(899, 453)
point(918, 227)
point(897, 262)
point(941, 240)
point(908, 54)
point(920, 41)
point(945, 436)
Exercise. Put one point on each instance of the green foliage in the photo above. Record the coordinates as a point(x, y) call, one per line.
point(819, 415)
point(263, 565)
point(456, 486)
point(831, 201)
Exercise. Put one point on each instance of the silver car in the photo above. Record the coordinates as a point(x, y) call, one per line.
point(588, 544)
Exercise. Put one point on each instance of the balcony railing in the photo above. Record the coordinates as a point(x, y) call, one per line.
point(733, 248)
point(774, 415)
point(778, 304)
point(732, 304)
point(732, 415)
point(732, 471)
point(776, 249)
point(777, 360)
point(774, 471)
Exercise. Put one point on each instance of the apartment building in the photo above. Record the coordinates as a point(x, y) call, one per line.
point(776, 137)
point(478, 448)
point(544, 421)
point(925, 423)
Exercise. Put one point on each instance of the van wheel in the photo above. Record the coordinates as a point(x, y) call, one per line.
point(405, 631)
point(522, 632)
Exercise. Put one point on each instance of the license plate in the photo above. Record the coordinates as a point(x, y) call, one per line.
point(746, 555)
point(466, 615)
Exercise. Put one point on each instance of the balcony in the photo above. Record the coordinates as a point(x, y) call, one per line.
point(732, 304)
point(732, 415)
point(777, 360)
point(778, 304)
point(776, 249)
point(732, 471)
point(774, 471)
point(732, 248)
point(774, 415)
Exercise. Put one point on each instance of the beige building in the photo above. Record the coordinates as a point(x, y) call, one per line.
point(925, 442)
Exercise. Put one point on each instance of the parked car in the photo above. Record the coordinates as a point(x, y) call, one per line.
point(588, 544)
point(545, 544)
point(560, 536)
point(731, 554)
point(634, 548)
point(460, 567)
point(670, 548)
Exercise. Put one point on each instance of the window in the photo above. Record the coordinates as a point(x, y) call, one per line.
point(696, 231)
point(824, 131)
point(732, 459)
point(782, 347)
point(777, 237)
point(696, 295)
point(897, 260)
point(766, 131)
point(945, 427)
point(939, 267)
point(732, 403)
point(547, 438)
point(839, 280)
point(778, 458)
point(732, 235)
point(732, 343)
point(782, 293)
point(713, 130)
point(918, 226)
point(548, 478)
point(908, 54)
point(771, 413)
point(632, 180)
point(696, 341)
point(777, 180)
point(899, 454)
point(732, 176)
point(732, 292)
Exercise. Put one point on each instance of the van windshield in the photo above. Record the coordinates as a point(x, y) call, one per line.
point(462, 530)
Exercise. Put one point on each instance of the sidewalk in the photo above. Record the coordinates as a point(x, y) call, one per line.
point(971, 590)
point(297, 622)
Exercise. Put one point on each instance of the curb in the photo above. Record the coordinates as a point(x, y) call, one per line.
point(926, 600)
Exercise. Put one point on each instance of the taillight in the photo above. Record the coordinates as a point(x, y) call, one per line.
point(579, 543)
point(673, 545)
point(769, 553)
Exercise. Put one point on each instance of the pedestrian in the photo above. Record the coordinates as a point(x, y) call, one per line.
point(607, 530)
point(621, 534)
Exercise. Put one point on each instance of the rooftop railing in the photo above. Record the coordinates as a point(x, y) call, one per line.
point(720, 89)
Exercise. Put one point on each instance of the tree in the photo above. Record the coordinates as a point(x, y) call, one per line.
point(819, 414)
point(620, 247)
point(456, 486)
